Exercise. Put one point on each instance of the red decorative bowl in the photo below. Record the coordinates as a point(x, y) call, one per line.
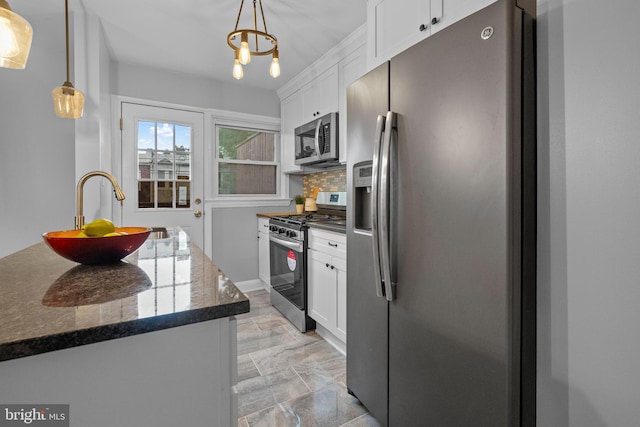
point(96, 250)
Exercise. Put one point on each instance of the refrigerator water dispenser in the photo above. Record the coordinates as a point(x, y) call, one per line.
point(362, 174)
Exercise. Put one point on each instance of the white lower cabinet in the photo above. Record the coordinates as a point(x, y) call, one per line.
point(327, 275)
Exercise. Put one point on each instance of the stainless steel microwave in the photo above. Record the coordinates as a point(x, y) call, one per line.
point(317, 142)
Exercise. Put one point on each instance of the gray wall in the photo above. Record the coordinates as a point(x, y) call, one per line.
point(234, 236)
point(159, 85)
point(36, 147)
point(235, 240)
point(589, 205)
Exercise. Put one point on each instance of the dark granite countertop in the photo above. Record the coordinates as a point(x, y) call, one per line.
point(48, 303)
point(272, 214)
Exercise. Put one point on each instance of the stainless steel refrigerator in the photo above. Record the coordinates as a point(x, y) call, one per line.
point(441, 228)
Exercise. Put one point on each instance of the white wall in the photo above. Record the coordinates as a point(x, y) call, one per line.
point(589, 205)
point(36, 147)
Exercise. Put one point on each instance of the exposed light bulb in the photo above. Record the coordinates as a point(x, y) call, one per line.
point(237, 70)
point(245, 53)
point(274, 71)
point(8, 43)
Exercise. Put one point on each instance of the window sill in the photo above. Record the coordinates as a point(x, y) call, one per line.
point(247, 202)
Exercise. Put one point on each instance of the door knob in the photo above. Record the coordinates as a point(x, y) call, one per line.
point(197, 213)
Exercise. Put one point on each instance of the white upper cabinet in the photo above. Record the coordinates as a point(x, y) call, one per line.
point(320, 96)
point(291, 117)
point(319, 90)
point(395, 25)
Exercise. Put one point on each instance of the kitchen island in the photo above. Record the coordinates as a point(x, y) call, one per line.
point(150, 341)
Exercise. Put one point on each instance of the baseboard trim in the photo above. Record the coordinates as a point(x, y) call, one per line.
point(252, 285)
point(331, 339)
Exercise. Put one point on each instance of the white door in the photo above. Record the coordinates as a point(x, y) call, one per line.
point(162, 168)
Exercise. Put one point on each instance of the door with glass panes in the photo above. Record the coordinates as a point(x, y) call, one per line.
point(162, 168)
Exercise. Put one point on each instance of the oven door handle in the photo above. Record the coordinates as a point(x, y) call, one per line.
point(298, 247)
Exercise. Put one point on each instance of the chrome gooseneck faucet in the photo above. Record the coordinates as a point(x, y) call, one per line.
point(116, 189)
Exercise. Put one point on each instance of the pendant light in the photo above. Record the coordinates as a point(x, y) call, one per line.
point(250, 43)
point(15, 38)
point(68, 101)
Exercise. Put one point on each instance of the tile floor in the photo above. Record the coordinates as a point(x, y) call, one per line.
point(287, 378)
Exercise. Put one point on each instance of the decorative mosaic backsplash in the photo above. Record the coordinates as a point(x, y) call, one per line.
point(334, 180)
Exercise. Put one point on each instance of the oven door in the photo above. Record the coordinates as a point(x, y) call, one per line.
point(288, 269)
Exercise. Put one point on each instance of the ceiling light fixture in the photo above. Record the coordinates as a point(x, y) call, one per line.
point(15, 38)
point(68, 101)
point(249, 43)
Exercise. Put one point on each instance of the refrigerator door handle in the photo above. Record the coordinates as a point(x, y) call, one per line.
point(374, 206)
point(384, 206)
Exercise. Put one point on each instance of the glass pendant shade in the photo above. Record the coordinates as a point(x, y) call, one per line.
point(274, 71)
point(68, 102)
point(15, 38)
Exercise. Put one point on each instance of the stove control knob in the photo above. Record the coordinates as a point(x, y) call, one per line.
point(281, 230)
point(291, 233)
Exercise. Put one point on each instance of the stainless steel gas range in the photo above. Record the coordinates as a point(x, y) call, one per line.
point(288, 256)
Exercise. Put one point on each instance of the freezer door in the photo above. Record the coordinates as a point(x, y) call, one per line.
point(367, 313)
point(454, 342)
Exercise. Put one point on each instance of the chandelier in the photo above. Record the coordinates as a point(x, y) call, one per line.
point(250, 43)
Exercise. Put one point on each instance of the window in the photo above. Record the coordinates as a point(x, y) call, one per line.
point(164, 165)
point(246, 162)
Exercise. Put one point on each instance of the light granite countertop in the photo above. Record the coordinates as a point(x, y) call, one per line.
point(48, 303)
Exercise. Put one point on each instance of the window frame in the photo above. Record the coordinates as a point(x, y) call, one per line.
point(251, 123)
point(218, 161)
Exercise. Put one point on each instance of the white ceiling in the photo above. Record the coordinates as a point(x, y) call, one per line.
point(190, 35)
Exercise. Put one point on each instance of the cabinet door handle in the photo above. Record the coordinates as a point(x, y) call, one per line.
point(327, 264)
point(434, 21)
point(334, 245)
point(333, 267)
point(423, 27)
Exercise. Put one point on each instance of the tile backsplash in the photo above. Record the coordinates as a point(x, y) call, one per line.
point(334, 180)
